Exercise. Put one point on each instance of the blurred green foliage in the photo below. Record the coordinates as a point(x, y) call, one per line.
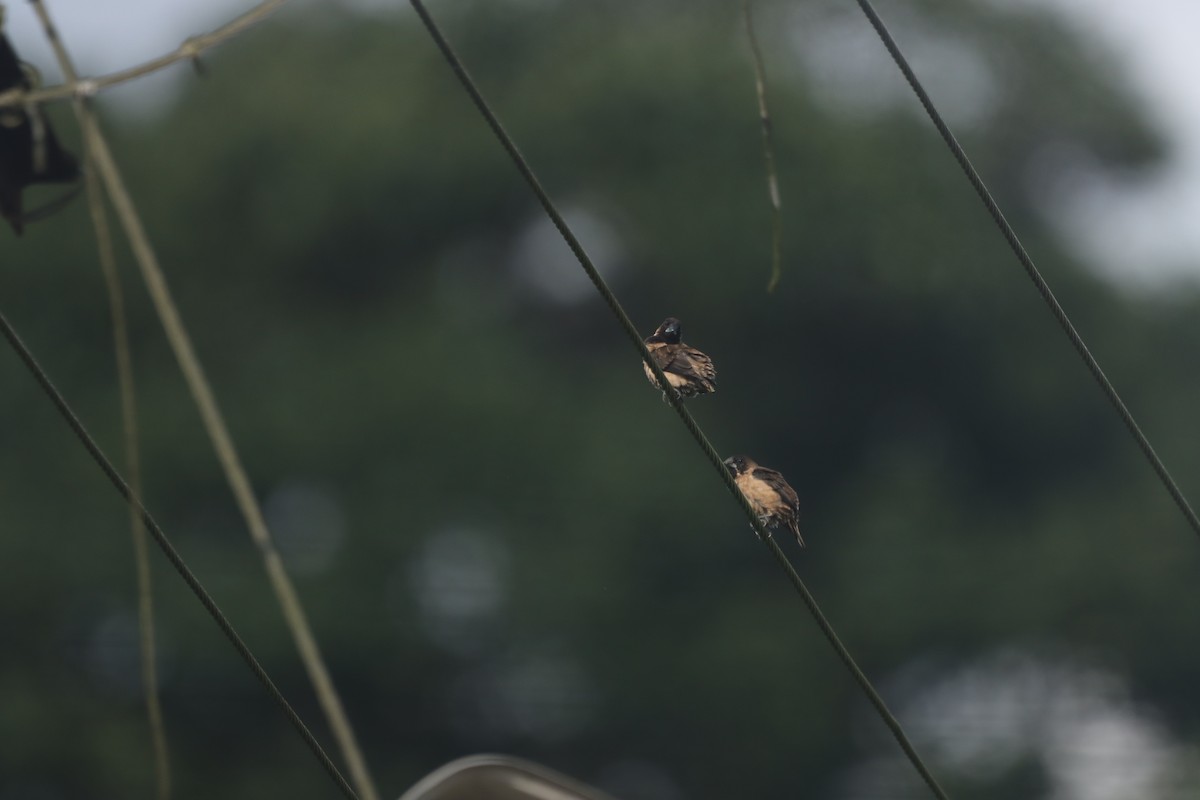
point(517, 548)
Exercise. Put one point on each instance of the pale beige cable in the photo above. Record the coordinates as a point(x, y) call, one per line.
point(190, 49)
point(141, 556)
point(129, 425)
point(289, 601)
point(235, 473)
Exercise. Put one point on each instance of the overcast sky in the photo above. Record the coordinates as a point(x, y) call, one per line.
point(1152, 232)
point(1144, 235)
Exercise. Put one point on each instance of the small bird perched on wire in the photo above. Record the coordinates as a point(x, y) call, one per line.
point(689, 372)
point(770, 496)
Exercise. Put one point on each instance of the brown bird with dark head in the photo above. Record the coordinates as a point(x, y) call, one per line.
point(689, 371)
point(773, 500)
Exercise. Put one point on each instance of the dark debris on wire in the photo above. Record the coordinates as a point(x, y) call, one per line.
point(30, 153)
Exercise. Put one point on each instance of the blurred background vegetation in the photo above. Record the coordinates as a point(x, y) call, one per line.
point(505, 540)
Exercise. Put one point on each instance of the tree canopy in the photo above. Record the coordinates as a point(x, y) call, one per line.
point(504, 539)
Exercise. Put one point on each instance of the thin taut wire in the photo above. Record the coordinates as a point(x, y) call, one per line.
point(210, 605)
point(1031, 270)
point(673, 398)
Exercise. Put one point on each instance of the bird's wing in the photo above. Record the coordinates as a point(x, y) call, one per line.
point(781, 487)
point(688, 361)
point(789, 517)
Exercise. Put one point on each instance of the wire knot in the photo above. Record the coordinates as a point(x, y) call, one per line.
point(85, 89)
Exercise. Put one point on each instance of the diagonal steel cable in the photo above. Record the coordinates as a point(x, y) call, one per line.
point(1031, 270)
point(210, 605)
point(689, 422)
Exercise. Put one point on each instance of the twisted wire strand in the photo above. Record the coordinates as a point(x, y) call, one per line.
point(1043, 288)
point(689, 422)
point(764, 118)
